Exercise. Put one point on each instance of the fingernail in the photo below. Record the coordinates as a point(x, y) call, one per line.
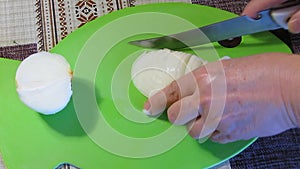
point(204, 139)
point(147, 112)
point(146, 109)
point(294, 25)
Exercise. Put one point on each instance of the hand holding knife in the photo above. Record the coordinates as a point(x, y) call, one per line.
point(271, 19)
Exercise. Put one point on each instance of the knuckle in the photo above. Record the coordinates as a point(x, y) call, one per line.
point(205, 102)
point(173, 92)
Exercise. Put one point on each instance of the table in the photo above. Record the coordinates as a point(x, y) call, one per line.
point(44, 23)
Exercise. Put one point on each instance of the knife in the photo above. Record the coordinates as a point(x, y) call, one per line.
point(271, 19)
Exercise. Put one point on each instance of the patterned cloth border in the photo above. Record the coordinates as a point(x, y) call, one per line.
point(58, 18)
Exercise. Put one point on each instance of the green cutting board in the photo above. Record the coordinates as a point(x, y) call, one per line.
point(103, 126)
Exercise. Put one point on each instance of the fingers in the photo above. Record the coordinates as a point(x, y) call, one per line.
point(222, 138)
point(294, 23)
point(255, 6)
point(197, 131)
point(194, 128)
point(224, 133)
point(190, 107)
point(184, 110)
point(200, 128)
point(157, 103)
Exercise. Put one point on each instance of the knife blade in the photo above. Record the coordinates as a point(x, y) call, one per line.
point(270, 19)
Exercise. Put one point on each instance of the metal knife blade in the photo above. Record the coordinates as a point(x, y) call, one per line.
point(227, 29)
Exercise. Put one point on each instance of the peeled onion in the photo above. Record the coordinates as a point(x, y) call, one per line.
point(44, 82)
point(154, 70)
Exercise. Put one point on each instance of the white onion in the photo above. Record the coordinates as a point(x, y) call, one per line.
point(44, 82)
point(154, 70)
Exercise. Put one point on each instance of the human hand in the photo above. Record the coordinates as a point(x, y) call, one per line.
point(255, 6)
point(260, 99)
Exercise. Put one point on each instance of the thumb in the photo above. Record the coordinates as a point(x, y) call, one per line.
point(294, 23)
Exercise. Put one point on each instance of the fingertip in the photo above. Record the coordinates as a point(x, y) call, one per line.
point(198, 130)
point(294, 25)
point(173, 114)
point(147, 112)
point(147, 107)
point(174, 119)
point(153, 108)
point(250, 11)
point(204, 139)
point(222, 138)
point(193, 134)
point(251, 14)
point(155, 104)
point(192, 130)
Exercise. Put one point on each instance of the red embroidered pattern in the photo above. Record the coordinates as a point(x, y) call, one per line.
point(85, 11)
point(62, 18)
